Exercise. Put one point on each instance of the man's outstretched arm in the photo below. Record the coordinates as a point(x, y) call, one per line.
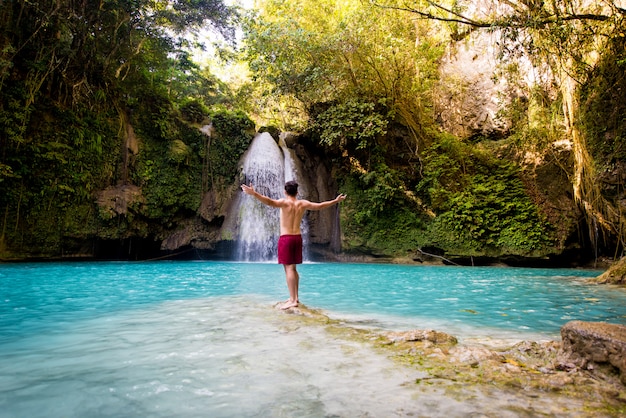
point(326, 204)
point(261, 198)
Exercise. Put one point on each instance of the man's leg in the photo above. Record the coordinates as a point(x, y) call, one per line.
point(293, 281)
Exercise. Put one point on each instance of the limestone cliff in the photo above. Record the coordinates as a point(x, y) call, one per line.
point(481, 95)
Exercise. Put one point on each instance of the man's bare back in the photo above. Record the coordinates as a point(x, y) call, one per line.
point(291, 212)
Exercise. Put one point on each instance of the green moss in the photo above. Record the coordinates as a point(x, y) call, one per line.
point(481, 204)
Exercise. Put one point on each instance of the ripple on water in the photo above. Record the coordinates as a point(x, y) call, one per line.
point(135, 340)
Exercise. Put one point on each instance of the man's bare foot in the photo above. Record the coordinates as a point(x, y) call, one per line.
point(289, 304)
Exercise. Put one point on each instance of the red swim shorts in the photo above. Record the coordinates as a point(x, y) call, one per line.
point(290, 249)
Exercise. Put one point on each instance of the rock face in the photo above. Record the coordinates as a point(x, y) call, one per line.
point(321, 187)
point(481, 93)
point(470, 66)
point(479, 81)
point(115, 200)
point(591, 345)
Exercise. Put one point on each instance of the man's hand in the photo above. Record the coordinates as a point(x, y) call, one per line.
point(248, 189)
point(341, 198)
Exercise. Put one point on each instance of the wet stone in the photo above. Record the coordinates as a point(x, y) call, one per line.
point(593, 346)
point(422, 335)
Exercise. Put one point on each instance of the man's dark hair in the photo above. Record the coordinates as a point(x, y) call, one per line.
point(291, 187)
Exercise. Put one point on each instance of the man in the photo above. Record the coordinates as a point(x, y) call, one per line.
point(292, 210)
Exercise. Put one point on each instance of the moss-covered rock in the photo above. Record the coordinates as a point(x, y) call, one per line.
point(616, 274)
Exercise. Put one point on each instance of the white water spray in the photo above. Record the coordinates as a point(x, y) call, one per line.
point(267, 166)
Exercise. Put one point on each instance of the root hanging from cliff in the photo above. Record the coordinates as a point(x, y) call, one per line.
point(603, 219)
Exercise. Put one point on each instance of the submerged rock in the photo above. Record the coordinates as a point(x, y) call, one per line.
point(422, 335)
point(527, 371)
point(473, 355)
point(593, 345)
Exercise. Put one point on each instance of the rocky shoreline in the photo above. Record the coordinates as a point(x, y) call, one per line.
point(576, 368)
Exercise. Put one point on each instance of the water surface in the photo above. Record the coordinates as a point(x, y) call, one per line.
point(462, 300)
point(202, 338)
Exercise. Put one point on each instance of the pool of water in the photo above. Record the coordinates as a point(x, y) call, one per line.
point(201, 338)
point(35, 297)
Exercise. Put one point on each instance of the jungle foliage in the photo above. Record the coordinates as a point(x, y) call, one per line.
point(103, 102)
point(364, 74)
point(482, 205)
point(101, 95)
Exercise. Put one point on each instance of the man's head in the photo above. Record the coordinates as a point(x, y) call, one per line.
point(291, 188)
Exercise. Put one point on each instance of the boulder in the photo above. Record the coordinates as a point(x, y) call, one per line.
point(593, 345)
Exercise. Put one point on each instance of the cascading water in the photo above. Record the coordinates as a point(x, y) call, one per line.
point(291, 173)
point(266, 166)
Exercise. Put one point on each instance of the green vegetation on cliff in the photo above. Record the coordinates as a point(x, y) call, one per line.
point(102, 103)
point(110, 130)
point(369, 84)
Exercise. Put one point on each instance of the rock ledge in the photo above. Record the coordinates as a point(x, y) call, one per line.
point(592, 345)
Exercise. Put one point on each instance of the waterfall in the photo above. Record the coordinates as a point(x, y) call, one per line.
point(292, 171)
point(266, 166)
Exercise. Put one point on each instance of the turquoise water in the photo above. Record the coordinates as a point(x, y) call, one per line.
point(39, 296)
point(201, 339)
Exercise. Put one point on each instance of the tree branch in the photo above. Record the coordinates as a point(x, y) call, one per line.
point(427, 15)
point(507, 22)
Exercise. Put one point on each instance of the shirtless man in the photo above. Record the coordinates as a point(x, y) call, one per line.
point(292, 210)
